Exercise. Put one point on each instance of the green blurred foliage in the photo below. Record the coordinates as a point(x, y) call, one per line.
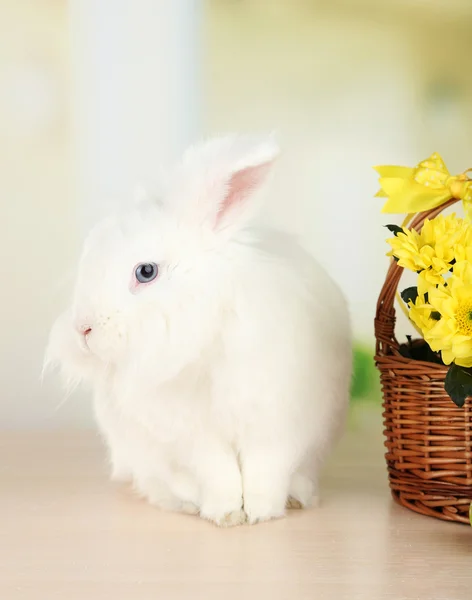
point(365, 380)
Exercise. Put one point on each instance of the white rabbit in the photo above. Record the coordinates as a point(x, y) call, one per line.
point(219, 355)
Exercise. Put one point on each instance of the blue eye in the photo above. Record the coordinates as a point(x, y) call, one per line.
point(146, 272)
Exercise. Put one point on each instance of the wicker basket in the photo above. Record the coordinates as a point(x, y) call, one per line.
point(428, 438)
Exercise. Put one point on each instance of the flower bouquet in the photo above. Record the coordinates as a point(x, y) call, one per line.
point(428, 437)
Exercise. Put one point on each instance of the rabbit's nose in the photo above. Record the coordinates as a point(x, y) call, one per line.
point(84, 329)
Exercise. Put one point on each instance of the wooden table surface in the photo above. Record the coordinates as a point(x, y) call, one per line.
point(67, 533)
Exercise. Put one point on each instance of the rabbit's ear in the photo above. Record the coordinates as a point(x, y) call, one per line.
point(219, 180)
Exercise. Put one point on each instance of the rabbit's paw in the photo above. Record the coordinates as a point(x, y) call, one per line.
point(302, 492)
point(231, 519)
point(158, 494)
point(260, 508)
point(189, 508)
point(293, 503)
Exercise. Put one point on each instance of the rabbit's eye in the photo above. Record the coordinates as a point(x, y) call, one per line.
point(146, 272)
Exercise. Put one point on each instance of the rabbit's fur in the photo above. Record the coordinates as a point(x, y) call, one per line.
point(220, 386)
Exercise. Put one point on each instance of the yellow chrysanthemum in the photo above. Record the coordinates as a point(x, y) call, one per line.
point(423, 315)
point(433, 249)
point(428, 279)
point(448, 230)
point(463, 252)
point(452, 333)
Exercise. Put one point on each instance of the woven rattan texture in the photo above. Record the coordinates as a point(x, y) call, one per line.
point(428, 438)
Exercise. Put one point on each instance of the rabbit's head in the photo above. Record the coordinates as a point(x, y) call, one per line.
point(154, 281)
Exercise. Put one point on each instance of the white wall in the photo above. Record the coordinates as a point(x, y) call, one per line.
point(133, 78)
point(38, 233)
point(349, 85)
point(136, 93)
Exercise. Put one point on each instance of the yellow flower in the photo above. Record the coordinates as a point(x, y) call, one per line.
point(446, 230)
point(433, 249)
point(423, 315)
point(452, 334)
point(463, 252)
point(428, 279)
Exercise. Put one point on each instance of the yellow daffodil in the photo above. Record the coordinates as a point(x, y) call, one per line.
point(452, 333)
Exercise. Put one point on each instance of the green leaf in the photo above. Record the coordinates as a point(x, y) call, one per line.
point(395, 229)
point(458, 384)
point(410, 293)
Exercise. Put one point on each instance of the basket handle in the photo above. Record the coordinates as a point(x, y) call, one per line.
point(384, 324)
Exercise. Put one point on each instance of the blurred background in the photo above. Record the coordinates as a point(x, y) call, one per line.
point(94, 96)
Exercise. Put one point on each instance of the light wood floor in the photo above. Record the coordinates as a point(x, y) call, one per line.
point(68, 534)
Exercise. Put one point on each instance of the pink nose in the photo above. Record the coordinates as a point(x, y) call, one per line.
point(84, 329)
